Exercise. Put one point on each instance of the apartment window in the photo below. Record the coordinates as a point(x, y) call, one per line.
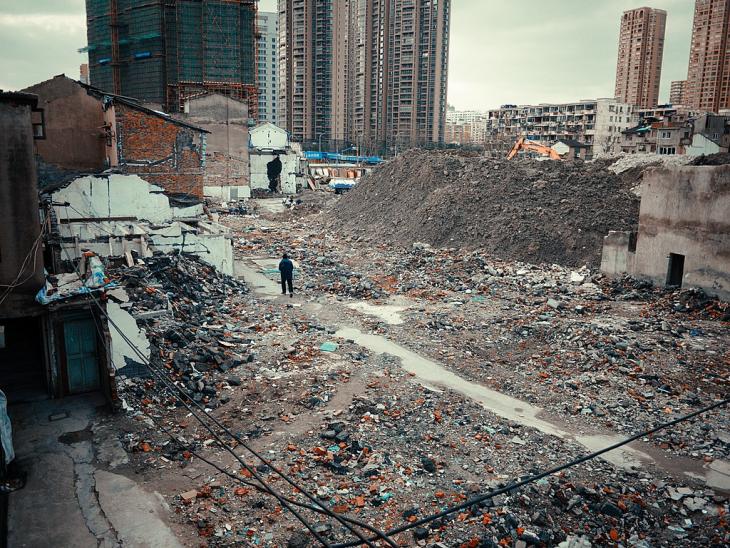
point(665, 135)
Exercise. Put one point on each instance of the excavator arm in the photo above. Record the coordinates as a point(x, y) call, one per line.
point(524, 144)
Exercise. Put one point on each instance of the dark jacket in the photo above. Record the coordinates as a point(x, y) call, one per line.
point(286, 267)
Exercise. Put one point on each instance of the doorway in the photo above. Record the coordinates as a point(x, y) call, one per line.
point(82, 357)
point(22, 360)
point(675, 270)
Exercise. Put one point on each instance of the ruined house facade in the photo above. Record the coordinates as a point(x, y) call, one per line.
point(683, 237)
point(226, 174)
point(88, 130)
point(52, 349)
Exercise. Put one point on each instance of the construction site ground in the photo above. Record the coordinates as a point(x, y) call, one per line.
point(401, 380)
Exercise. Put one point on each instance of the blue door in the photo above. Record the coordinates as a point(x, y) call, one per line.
point(81, 355)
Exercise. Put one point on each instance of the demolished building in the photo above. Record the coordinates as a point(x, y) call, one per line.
point(683, 237)
point(226, 175)
point(266, 143)
point(89, 130)
point(116, 215)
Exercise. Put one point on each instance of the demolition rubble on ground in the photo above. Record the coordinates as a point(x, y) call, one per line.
point(498, 286)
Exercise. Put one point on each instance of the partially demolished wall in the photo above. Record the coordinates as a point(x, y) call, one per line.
point(116, 214)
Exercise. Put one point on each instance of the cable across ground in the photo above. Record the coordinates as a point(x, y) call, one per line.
point(171, 387)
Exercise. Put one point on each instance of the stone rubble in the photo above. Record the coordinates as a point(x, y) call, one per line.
point(368, 440)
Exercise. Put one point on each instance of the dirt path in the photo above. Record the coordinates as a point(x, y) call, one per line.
point(437, 377)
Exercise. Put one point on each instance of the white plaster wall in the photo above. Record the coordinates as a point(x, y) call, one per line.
point(113, 196)
point(269, 136)
point(127, 324)
point(223, 193)
point(702, 145)
point(289, 167)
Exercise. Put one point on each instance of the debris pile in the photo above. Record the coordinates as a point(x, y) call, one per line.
point(531, 211)
point(194, 323)
point(718, 159)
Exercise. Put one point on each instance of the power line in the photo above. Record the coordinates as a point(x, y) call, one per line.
point(171, 387)
point(220, 441)
point(33, 252)
point(164, 379)
point(514, 486)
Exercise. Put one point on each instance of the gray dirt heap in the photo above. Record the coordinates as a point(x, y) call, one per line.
point(538, 212)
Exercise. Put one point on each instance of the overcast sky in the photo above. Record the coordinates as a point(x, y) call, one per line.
point(501, 51)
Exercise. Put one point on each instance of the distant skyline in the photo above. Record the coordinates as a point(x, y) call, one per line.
point(501, 52)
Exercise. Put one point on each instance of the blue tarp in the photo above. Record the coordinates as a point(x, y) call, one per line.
point(333, 156)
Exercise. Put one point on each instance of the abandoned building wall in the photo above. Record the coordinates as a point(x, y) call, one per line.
point(117, 197)
point(114, 214)
point(289, 168)
point(74, 120)
point(685, 211)
point(165, 153)
point(226, 150)
point(21, 261)
point(618, 256)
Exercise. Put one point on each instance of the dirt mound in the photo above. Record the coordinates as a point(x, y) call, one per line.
point(719, 159)
point(538, 212)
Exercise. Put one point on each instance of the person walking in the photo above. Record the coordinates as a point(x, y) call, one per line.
point(286, 267)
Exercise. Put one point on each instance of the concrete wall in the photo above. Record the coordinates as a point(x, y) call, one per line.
point(684, 211)
point(226, 150)
point(120, 213)
point(217, 107)
point(117, 197)
point(19, 220)
point(74, 120)
point(269, 137)
point(289, 168)
point(617, 259)
point(702, 145)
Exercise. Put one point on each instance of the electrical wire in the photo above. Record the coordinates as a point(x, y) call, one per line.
point(164, 379)
point(446, 512)
point(252, 471)
point(172, 387)
point(34, 253)
point(514, 486)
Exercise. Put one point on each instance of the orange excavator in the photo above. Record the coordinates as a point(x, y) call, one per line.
point(532, 146)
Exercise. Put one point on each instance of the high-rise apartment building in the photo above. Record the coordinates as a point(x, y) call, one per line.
point(677, 92)
point(708, 75)
point(640, 53)
point(267, 61)
point(369, 72)
point(165, 51)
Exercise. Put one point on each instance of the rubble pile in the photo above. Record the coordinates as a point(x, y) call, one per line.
point(532, 211)
point(629, 162)
point(399, 452)
point(718, 159)
point(193, 320)
point(600, 357)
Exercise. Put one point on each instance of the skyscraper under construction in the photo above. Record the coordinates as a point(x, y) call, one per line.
point(164, 51)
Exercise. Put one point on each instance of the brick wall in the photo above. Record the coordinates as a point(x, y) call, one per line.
point(159, 151)
point(225, 170)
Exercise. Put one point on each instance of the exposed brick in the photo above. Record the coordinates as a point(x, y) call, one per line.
point(160, 151)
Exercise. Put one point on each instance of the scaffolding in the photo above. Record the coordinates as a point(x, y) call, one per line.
point(166, 51)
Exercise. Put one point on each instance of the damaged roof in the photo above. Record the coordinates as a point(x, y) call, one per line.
point(134, 103)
